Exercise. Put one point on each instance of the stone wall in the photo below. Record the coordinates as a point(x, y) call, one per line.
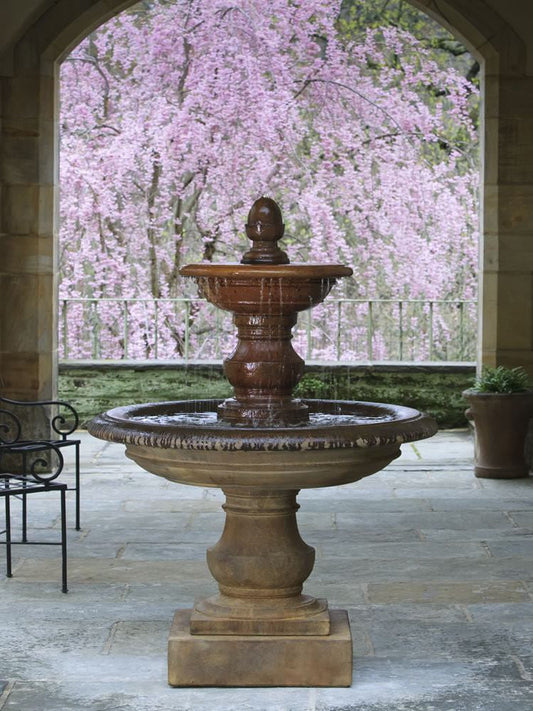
point(95, 387)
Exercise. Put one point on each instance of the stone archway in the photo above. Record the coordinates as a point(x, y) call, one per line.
point(29, 170)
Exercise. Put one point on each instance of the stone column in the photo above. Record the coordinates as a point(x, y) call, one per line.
point(506, 248)
point(27, 265)
point(507, 285)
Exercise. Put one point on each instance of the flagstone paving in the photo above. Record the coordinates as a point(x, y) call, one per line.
point(434, 566)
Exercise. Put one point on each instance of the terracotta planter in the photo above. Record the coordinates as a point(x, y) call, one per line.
point(501, 425)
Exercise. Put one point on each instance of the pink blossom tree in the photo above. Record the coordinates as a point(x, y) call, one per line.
point(176, 116)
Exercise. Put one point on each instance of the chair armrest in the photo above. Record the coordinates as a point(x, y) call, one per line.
point(37, 467)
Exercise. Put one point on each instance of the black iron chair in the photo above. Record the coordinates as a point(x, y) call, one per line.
point(59, 418)
point(42, 464)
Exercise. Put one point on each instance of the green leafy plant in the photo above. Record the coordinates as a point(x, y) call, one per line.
point(502, 380)
point(312, 387)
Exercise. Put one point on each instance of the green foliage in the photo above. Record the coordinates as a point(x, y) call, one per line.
point(311, 386)
point(357, 16)
point(502, 380)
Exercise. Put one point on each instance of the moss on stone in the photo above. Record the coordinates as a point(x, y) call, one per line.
point(432, 389)
point(95, 387)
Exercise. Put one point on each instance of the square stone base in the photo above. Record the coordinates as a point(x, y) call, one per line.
point(246, 660)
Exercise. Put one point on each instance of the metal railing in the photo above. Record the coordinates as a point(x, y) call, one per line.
point(347, 330)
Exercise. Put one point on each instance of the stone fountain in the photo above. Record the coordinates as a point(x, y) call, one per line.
point(261, 447)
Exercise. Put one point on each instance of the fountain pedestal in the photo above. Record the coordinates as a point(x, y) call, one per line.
point(260, 630)
point(260, 565)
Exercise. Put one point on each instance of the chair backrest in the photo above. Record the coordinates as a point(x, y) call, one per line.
point(10, 427)
point(42, 419)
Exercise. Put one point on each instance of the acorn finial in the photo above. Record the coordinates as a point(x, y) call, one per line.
point(265, 227)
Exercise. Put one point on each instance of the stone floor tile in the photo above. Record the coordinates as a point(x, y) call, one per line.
point(476, 534)
point(521, 518)
point(138, 637)
point(511, 616)
point(347, 538)
point(107, 570)
point(507, 488)
point(339, 594)
point(476, 501)
point(151, 696)
point(168, 505)
point(171, 595)
point(104, 533)
point(517, 547)
point(396, 551)
point(355, 505)
point(424, 613)
point(164, 551)
point(469, 491)
point(440, 520)
point(458, 593)
point(436, 571)
point(395, 684)
point(436, 640)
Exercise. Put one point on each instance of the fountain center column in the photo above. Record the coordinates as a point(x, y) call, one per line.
point(260, 564)
point(264, 369)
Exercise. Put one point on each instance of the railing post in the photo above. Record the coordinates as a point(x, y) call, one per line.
point(400, 333)
point(370, 331)
point(187, 333)
point(461, 327)
point(339, 314)
point(64, 330)
point(125, 328)
point(156, 328)
point(218, 329)
point(431, 345)
point(309, 334)
point(93, 318)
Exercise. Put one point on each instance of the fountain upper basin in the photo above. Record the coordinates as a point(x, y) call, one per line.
point(181, 442)
point(264, 288)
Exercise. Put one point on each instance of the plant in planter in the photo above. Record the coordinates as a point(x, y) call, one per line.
point(501, 406)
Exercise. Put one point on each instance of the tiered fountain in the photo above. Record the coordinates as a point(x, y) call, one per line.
point(261, 447)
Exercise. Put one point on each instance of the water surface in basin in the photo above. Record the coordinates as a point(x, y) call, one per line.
point(209, 419)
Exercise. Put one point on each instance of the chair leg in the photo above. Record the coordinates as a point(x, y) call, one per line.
point(24, 519)
point(9, 573)
point(24, 506)
point(63, 543)
point(77, 487)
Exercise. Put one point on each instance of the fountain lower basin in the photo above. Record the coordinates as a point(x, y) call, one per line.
point(184, 442)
